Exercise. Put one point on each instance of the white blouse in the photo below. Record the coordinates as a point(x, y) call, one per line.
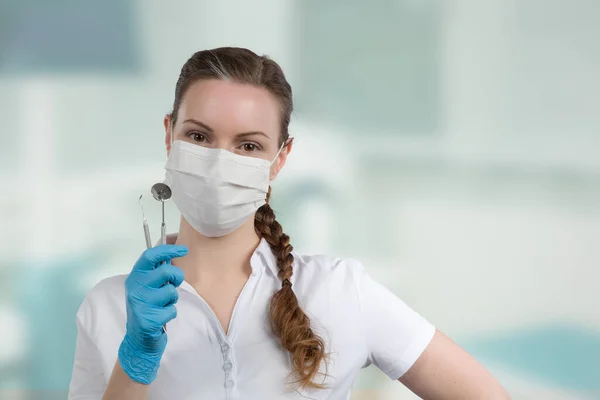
point(360, 321)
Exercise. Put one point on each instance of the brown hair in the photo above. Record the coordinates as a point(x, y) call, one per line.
point(288, 321)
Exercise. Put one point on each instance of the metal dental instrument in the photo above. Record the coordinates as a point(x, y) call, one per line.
point(146, 229)
point(162, 193)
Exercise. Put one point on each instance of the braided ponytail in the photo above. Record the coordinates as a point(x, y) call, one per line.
point(288, 321)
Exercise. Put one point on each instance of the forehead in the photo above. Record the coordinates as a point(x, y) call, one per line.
point(230, 107)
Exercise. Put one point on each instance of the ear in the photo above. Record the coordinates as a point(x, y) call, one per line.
point(281, 159)
point(168, 132)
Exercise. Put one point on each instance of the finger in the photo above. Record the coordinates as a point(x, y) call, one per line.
point(156, 317)
point(151, 257)
point(176, 275)
point(166, 314)
point(162, 296)
point(163, 274)
point(165, 252)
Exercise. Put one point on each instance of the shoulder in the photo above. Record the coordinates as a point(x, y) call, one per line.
point(112, 287)
point(322, 266)
point(327, 277)
point(106, 298)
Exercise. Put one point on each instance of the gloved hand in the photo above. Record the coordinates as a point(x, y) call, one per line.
point(151, 294)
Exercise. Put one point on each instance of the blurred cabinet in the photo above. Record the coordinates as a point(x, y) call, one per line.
point(38, 36)
point(370, 67)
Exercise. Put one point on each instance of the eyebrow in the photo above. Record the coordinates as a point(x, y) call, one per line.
point(209, 129)
point(200, 124)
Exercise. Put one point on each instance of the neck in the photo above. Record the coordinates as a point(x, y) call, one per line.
point(223, 256)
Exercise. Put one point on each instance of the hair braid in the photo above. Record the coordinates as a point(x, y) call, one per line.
point(288, 321)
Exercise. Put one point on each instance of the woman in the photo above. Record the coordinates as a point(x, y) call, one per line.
point(254, 320)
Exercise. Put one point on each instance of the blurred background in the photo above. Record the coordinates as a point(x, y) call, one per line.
point(453, 146)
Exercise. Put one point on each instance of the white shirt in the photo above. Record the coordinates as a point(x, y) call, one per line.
point(360, 321)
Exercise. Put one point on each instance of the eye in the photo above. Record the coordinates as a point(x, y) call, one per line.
point(250, 147)
point(197, 136)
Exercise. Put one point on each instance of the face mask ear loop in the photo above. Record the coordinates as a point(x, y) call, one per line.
point(283, 145)
point(172, 127)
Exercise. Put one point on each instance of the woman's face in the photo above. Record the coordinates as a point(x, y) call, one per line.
point(240, 118)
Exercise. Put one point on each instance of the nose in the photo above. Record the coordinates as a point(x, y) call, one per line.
point(223, 144)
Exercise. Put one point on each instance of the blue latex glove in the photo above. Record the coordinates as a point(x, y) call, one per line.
point(151, 295)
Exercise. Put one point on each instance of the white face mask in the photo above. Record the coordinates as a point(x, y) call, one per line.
point(215, 190)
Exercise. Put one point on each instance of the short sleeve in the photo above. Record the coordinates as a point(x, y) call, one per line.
point(396, 335)
point(87, 381)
